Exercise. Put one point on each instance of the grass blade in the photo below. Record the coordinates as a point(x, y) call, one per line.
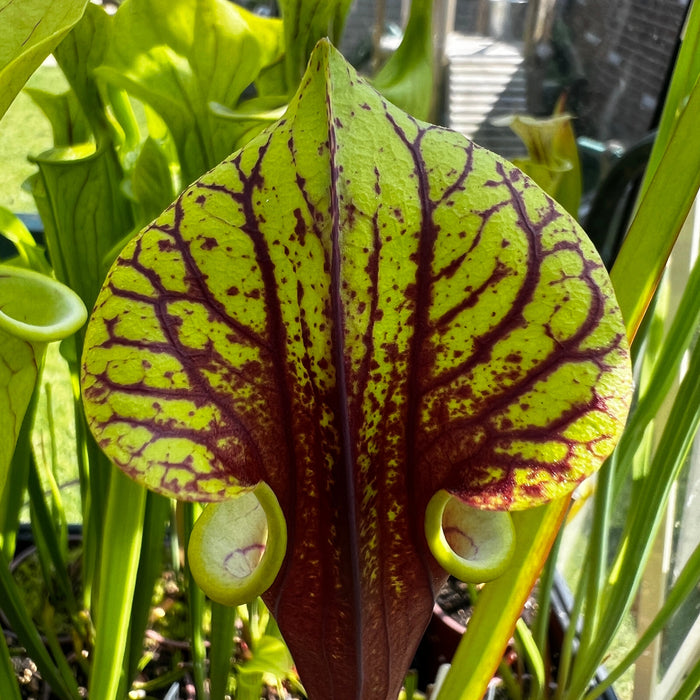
point(672, 190)
point(643, 522)
point(679, 338)
point(21, 623)
point(52, 554)
point(684, 586)
point(8, 683)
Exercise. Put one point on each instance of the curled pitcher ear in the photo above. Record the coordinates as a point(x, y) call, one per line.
point(34, 311)
point(471, 544)
point(237, 546)
point(37, 308)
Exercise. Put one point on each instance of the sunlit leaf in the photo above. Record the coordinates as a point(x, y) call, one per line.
point(305, 22)
point(359, 310)
point(30, 31)
point(78, 55)
point(178, 56)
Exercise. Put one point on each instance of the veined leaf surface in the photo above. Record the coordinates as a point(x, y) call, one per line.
point(358, 309)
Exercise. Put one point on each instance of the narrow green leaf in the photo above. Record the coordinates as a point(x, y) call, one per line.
point(49, 548)
point(688, 688)
point(156, 516)
point(685, 73)
point(119, 561)
point(48, 469)
point(643, 523)
point(21, 623)
point(672, 190)
point(685, 584)
point(95, 472)
point(30, 31)
point(532, 659)
point(195, 604)
point(666, 366)
point(541, 623)
point(9, 687)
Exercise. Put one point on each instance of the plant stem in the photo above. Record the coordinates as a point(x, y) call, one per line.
point(500, 603)
point(223, 619)
point(119, 560)
point(195, 599)
point(597, 551)
point(567, 647)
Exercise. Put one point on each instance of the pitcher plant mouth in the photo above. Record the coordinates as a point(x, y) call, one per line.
point(237, 546)
point(34, 311)
point(37, 308)
point(473, 545)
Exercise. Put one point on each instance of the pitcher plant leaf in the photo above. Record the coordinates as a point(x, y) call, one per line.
point(358, 309)
point(34, 310)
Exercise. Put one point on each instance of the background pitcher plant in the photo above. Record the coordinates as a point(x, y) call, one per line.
point(363, 339)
